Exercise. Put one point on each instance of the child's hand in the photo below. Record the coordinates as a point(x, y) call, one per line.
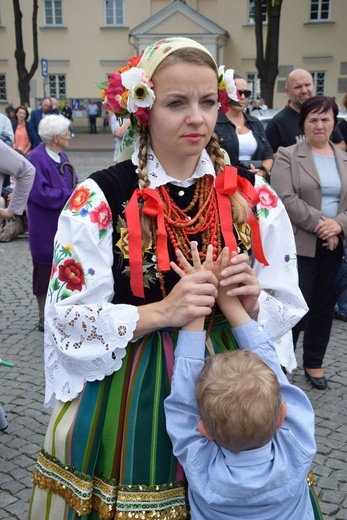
point(230, 305)
point(222, 263)
point(240, 279)
point(187, 268)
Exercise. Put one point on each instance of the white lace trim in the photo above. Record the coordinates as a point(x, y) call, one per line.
point(157, 175)
point(84, 343)
point(278, 318)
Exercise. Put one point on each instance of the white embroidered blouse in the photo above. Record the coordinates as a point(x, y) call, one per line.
point(86, 335)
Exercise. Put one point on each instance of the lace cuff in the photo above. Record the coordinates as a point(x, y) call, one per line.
point(84, 343)
point(277, 319)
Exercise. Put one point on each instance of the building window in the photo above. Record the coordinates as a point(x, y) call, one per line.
point(251, 9)
point(57, 85)
point(319, 82)
point(3, 94)
point(53, 12)
point(320, 10)
point(253, 81)
point(114, 12)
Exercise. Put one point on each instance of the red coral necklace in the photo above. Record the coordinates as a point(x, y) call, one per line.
point(180, 226)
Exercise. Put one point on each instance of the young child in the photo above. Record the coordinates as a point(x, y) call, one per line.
point(243, 434)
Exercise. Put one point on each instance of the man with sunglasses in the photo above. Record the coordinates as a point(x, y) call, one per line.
point(243, 137)
point(283, 129)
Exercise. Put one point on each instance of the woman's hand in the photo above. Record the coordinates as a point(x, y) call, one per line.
point(196, 265)
point(257, 171)
point(5, 213)
point(192, 297)
point(185, 268)
point(240, 274)
point(331, 243)
point(328, 228)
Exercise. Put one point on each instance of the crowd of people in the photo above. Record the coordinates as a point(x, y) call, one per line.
point(173, 288)
point(41, 142)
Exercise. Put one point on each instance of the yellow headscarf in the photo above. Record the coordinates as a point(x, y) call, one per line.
point(155, 53)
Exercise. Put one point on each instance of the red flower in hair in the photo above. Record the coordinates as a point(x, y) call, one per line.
point(224, 100)
point(114, 94)
point(142, 116)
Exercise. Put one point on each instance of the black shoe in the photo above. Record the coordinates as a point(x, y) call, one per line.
point(338, 316)
point(320, 383)
point(3, 421)
point(41, 326)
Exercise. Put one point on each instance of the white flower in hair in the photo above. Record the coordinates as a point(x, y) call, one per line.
point(227, 82)
point(227, 91)
point(140, 91)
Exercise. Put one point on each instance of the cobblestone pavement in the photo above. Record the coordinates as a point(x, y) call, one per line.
point(22, 387)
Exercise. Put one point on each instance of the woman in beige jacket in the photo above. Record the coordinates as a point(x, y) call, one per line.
point(311, 179)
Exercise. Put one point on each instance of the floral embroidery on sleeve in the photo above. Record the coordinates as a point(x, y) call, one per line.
point(267, 200)
point(82, 203)
point(291, 260)
point(81, 197)
point(67, 275)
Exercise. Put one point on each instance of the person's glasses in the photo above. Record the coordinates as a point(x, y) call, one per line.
point(246, 93)
point(68, 134)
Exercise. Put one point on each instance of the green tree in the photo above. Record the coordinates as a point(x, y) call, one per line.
point(24, 76)
point(267, 61)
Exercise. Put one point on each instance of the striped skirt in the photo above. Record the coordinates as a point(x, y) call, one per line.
point(107, 455)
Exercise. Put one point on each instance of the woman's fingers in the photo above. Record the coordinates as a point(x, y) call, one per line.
point(194, 295)
point(177, 269)
point(187, 267)
point(208, 263)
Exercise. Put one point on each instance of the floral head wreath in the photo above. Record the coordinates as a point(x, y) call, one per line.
point(129, 91)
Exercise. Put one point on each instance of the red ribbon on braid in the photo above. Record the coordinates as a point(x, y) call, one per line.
point(226, 184)
point(153, 207)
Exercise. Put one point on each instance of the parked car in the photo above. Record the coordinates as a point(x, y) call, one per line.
point(266, 115)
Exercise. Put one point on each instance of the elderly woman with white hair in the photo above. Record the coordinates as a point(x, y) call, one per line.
point(53, 185)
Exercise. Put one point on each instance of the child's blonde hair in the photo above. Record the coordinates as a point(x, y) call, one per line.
point(239, 400)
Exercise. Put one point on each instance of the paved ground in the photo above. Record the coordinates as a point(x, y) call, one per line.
point(22, 387)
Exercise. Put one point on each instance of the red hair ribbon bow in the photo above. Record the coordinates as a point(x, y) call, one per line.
point(153, 207)
point(226, 184)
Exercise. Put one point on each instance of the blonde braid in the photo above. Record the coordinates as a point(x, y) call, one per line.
point(216, 154)
point(142, 169)
point(146, 224)
point(240, 206)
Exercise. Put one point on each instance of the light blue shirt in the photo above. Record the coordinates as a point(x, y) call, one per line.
point(330, 182)
point(267, 483)
point(93, 110)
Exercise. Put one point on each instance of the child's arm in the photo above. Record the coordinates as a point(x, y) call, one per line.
point(231, 306)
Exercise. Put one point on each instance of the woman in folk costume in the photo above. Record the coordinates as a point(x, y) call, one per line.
point(114, 306)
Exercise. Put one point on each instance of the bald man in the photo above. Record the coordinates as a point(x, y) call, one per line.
point(283, 129)
point(35, 118)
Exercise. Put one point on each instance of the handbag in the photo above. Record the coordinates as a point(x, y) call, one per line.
point(247, 163)
point(10, 228)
